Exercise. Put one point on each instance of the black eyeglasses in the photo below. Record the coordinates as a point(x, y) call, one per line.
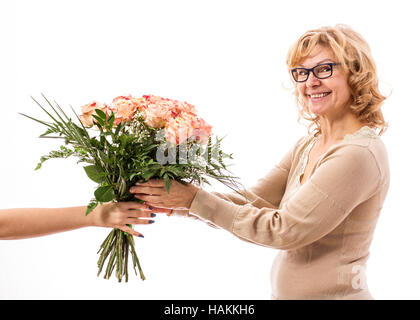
point(321, 71)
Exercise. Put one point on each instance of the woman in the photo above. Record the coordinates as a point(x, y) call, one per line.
point(34, 222)
point(320, 204)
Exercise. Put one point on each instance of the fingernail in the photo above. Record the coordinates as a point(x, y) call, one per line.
point(150, 207)
point(151, 221)
point(141, 236)
point(153, 215)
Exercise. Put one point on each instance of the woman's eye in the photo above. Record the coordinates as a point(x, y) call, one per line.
point(324, 69)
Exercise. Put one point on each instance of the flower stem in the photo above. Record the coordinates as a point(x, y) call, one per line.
point(116, 247)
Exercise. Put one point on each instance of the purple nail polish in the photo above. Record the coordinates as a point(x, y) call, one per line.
point(151, 221)
point(141, 236)
point(153, 215)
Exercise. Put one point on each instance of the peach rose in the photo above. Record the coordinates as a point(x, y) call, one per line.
point(186, 107)
point(202, 131)
point(156, 115)
point(178, 130)
point(186, 125)
point(140, 103)
point(124, 108)
point(88, 109)
point(87, 120)
point(175, 106)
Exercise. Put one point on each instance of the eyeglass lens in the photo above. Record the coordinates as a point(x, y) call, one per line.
point(322, 71)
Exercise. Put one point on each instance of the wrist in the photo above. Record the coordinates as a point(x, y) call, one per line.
point(193, 194)
point(92, 219)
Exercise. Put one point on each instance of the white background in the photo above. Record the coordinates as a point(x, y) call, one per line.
point(228, 59)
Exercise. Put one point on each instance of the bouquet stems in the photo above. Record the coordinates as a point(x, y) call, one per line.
point(116, 247)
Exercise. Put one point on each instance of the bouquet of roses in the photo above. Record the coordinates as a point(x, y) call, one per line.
point(133, 140)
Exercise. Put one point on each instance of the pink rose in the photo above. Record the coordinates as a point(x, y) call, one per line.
point(156, 115)
point(186, 125)
point(185, 107)
point(202, 131)
point(175, 106)
point(140, 103)
point(124, 108)
point(86, 119)
point(178, 129)
point(88, 109)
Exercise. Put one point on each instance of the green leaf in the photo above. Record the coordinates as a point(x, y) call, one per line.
point(104, 194)
point(119, 127)
point(92, 205)
point(123, 139)
point(162, 172)
point(111, 120)
point(101, 114)
point(99, 120)
point(133, 175)
point(146, 175)
point(175, 170)
point(49, 131)
point(95, 173)
point(167, 182)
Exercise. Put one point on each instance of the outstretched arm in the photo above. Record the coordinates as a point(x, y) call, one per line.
point(343, 180)
point(24, 223)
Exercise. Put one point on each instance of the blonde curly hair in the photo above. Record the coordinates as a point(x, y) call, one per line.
point(354, 54)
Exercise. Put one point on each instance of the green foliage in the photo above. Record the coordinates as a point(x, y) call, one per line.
point(92, 205)
point(95, 173)
point(104, 194)
point(119, 156)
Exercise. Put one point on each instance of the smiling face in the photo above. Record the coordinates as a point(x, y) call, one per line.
point(324, 97)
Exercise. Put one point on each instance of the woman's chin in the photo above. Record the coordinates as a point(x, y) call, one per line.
point(317, 110)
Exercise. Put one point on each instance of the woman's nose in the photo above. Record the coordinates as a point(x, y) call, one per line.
point(312, 80)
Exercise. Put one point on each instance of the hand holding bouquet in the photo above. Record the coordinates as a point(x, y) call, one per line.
point(134, 140)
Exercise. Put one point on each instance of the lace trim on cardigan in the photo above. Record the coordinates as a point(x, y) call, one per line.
point(363, 132)
point(303, 159)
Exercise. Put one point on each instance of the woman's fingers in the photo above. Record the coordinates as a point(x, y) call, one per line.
point(154, 193)
point(139, 221)
point(136, 213)
point(160, 210)
point(153, 200)
point(147, 190)
point(132, 205)
point(157, 183)
point(142, 210)
point(139, 213)
point(130, 231)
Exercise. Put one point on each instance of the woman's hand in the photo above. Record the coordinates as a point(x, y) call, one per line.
point(119, 214)
point(154, 193)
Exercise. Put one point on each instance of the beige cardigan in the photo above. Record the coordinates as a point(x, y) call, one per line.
point(323, 228)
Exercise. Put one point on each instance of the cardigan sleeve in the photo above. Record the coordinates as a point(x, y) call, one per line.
point(345, 177)
point(267, 192)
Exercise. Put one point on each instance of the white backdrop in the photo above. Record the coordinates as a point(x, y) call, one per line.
point(228, 59)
